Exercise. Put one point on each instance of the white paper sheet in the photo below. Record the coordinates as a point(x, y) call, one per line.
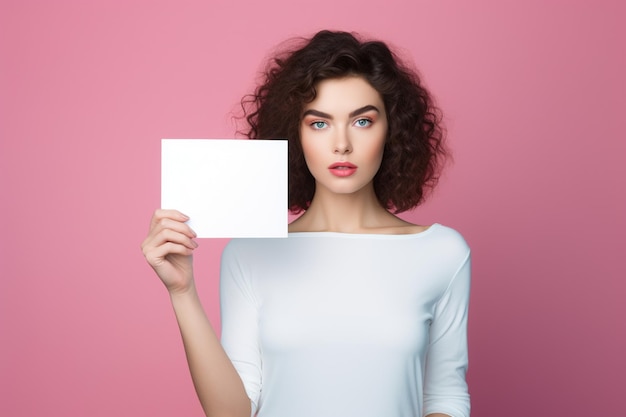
point(228, 187)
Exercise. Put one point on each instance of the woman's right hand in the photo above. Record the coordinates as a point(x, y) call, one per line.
point(168, 249)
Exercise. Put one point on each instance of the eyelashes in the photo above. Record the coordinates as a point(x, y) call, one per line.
point(318, 125)
point(362, 122)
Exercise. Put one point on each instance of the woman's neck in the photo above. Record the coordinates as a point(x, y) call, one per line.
point(346, 213)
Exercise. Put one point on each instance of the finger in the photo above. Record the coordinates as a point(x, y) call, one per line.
point(164, 237)
point(158, 255)
point(160, 214)
point(177, 226)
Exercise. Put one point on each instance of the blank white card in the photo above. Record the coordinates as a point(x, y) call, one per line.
point(228, 187)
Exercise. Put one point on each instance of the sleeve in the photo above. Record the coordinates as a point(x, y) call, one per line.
point(239, 316)
point(445, 388)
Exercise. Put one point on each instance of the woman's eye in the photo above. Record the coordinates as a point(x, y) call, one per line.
point(318, 125)
point(363, 122)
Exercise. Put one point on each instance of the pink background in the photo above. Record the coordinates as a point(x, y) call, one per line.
point(534, 95)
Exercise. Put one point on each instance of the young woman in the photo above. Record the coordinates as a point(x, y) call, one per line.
point(357, 312)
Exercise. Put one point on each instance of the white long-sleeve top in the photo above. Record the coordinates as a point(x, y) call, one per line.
point(324, 324)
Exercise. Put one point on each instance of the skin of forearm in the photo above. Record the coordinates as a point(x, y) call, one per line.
point(215, 379)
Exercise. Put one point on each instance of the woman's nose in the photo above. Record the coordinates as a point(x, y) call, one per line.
point(342, 143)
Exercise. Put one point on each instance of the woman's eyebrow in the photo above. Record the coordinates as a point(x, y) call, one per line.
point(361, 110)
point(364, 109)
point(317, 113)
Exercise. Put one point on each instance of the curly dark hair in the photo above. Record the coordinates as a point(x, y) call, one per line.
point(414, 148)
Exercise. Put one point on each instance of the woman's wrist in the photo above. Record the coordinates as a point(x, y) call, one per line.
point(183, 295)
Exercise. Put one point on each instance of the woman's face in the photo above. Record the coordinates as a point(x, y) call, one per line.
point(343, 134)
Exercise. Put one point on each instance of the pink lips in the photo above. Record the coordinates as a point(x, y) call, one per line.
point(342, 169)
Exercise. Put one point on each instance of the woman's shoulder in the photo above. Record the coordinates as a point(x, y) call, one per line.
point(438, 238)
point(448, 232)
point(452, 239)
